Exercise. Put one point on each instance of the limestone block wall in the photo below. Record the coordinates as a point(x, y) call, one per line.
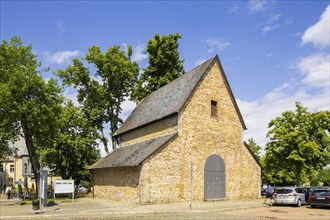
point(118, 184)
point(162, 175)
point(149, 131)
point(165, 175)
point(204, 135)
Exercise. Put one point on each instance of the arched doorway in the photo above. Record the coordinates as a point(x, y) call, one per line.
point(214, 178)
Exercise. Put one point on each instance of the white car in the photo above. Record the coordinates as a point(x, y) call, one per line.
point(290, 196)
point(82, 190)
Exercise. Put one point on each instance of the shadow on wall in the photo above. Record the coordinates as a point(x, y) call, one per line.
point(117, 176)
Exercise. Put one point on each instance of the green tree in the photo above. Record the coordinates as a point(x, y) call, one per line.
point(75, 146)
point(28, 104)
point(101, 100)
point(164, 65)
point(255, 148)
point(321, 177)
point(298, 145)
point(324, 176)
point(4, 141)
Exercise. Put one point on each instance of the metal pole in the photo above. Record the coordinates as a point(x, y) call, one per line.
point(40, 184)
point(191, 170)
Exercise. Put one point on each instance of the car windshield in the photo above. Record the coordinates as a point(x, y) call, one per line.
point(321, 192)
point(284, 191)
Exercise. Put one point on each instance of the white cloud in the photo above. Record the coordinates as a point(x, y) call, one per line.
point(274, 18)
point(319, 33)
point(271, 24)
point(61, 57)
point(138, 53)
point(257, 114)
point(127, 107)
point(200, 61)
point(216, 44)
point(312, 90)
point(289, 20)
point(269, 28)
point(256, 6)
point(71, 94)
point(316, 69)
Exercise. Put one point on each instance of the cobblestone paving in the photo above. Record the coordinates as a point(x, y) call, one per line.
point(88, 208)
point(282, 212)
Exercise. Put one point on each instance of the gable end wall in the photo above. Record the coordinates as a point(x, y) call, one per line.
point(165, 176)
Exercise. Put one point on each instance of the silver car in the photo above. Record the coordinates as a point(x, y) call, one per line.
point(290, 196)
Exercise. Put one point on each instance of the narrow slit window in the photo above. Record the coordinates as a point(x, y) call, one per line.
point(214, 109)
point(25, 168)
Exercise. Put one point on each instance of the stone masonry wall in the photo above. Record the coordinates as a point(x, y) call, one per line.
point(162, 127)
point(166, 174)
point(203, 135)
point(118, 184)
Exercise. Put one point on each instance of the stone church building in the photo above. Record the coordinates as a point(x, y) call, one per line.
point(183, 141)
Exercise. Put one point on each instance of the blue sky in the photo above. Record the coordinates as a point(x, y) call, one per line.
point(274, 53)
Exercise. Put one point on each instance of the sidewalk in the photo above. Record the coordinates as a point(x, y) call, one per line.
point(92, 208)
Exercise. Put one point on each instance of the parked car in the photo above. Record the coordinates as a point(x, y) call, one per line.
point(320, 197)
point(263, 191)
point(82, 190)
point(310, 189)
point(290, 196)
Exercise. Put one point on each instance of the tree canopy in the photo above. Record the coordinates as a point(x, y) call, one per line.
point(164, 65)
point(28, 104)
point(101, 98)
point(75, 146)
point(255, 148)
point(299, 145)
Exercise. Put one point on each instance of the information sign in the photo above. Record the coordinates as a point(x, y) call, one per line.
point(64, 186)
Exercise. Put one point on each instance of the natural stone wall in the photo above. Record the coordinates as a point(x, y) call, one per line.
point(165, 175)
point(162, 127)
point(162, 175)
point(119, 184)
point(203, 135)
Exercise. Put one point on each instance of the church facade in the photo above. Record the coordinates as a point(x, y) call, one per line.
point(183, 141)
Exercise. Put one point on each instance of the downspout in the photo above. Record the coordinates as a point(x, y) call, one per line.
point(15, 172)
point(93, 184)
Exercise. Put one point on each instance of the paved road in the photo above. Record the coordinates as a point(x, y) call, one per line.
point(88, 208)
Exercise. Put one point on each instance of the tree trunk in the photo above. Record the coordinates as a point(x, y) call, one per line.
point(104, 141)
point(298, 172)
point(32, 154)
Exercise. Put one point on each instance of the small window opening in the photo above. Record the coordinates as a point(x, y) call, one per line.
point(214, 109)
point(25, 168)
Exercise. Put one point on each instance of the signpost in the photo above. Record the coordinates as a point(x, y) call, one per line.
point(64, 186)
point(0, 182)
point(44, 186)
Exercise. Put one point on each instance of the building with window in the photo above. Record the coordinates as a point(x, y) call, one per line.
point(183, 141)
point(17, 167)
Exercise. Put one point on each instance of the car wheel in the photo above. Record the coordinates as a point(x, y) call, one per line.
point(298, 203)
point(313, 206)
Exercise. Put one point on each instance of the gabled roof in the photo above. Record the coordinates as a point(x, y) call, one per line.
point(169, 99)
point(132, 155)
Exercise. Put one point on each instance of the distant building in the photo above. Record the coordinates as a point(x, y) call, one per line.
point(17, 167)
point(183, 141)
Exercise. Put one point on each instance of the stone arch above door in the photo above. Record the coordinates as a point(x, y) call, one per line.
point(214, 178)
